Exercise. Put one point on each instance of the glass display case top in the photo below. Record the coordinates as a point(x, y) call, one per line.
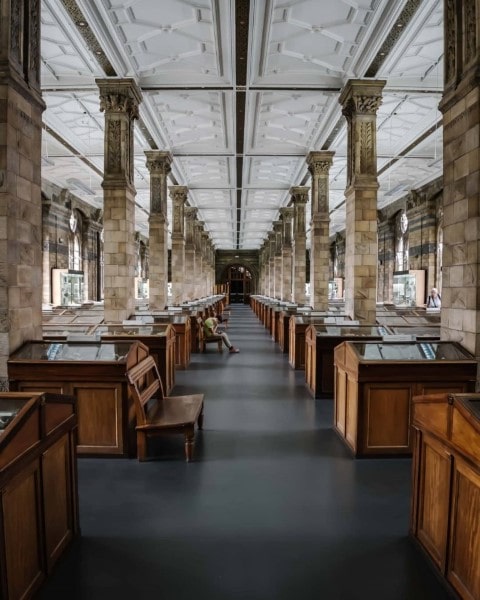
point(9, 408)
point(72, 351)
point(350, 330)
point(156, 329)
point(428, 331)
point(411, 351)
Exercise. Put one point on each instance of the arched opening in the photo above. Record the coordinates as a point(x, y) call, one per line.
point(239, 282)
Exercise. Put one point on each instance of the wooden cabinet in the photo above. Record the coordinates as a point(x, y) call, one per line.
point(158, 338)
point(93, 372)
point(320, 341)
point(38, 488)
point(445, 517)
point(375, 382)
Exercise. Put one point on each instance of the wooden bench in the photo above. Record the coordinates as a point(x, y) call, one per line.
point(158, 414)
point(203, 340)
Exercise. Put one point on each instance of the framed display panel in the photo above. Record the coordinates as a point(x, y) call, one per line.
point(67, 287)
point(445, 516)
point(38, 488)
point(92, 372)
point(409, 288)
point(374, 384)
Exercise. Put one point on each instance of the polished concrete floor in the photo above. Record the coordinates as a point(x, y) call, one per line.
point(274, 508)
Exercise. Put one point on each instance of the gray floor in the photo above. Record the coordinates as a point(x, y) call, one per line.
point(274, 508)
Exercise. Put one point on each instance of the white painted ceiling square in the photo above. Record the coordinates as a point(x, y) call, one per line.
point(181, 42)
point(196, 121)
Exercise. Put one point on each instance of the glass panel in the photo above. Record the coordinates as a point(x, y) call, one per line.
point(72, 352)
point(9, 408)
point(339, 331)
point(414, 351)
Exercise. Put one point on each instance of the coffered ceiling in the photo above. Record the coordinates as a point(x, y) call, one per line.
point(239, 93)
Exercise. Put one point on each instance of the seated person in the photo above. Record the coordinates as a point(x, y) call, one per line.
point(210, 328)
point(434, 300)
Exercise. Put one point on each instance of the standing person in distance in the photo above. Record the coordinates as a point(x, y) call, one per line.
point(434, 300)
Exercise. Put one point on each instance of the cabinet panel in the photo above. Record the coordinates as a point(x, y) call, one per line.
point(58, 501)
point(351, 410)
point(464, 563)
point(23, 539)
point(435, 473)
point(100, 418)
point(387, 418)
point(341, 395)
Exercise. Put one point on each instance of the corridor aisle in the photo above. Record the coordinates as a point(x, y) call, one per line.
point(274, 508)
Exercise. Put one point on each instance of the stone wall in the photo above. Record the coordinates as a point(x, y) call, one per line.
point(57, 238)
point(423, 208)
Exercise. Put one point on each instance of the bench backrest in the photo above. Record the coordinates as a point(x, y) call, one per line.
point(145, 385)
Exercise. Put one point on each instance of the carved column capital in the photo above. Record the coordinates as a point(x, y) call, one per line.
point(319, 163)
point(287, 218)
point(158, 162)
point(178, 194)
point(119, 96)
point(119, 100)
point(360, 100)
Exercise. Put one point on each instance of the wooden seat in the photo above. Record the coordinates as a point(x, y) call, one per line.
point(203, 340)
point(158, 414)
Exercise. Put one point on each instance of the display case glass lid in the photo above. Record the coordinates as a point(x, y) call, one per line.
point(156, 329)
point(72, 351)
point(429, 331)
point(350, 330)
point(10, 406)
point(411, 351)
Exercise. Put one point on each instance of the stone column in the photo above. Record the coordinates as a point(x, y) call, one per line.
point(299, 258)
point(158, 164)
point(21, 108)
point(197, 229)
point(86, 259)
point(277, 229)
point(287, 216)
point(271, 264)
point(319, 164)
point(360, 100)
point(178, 194)
point(211, 262)
point(460, 105)
point(205, 264)
point(264, 269)
point(119, 99)
point(189, 284)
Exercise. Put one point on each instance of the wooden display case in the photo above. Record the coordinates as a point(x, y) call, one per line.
point(93, 372)
point(183, 333)
point(38, 488)
point(320, 340)
point(445, 517)
point(375, 382)
point(159, 338)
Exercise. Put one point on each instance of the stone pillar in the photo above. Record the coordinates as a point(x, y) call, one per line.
point(86, 259)
point(119, 99)
point(197, 229)
point(205, 264)
point(460, 105)
point(189, 283)
point(319, 164)
point(271, 264)
point(360, 100)
point(158, 164)
point(299, 259)
point(287, 216)
point(21, 108)
point(211, 256)
point(277, 279)
point(178, 194)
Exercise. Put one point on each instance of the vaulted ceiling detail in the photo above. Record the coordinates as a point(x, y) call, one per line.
point(239, 166)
